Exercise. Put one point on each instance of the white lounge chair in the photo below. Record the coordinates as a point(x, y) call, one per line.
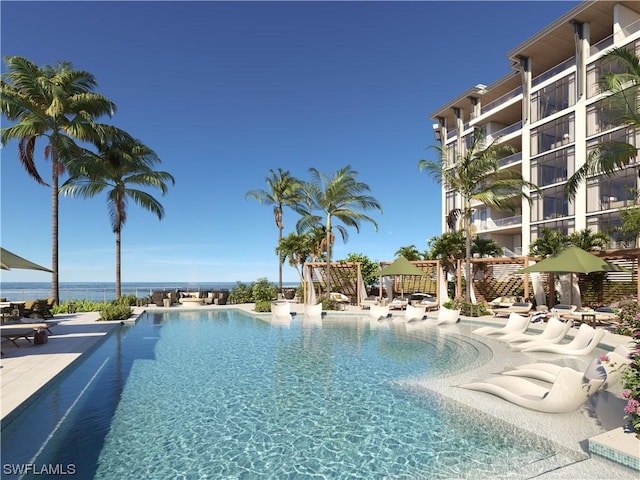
point(415, 313)
point(447, 315)
point(517, 307)
point(566, 394)
point(369, 302)
point(280, 308)
point(554, 332)
point(398, 303)
point(585, 341)
point(515, 324)
point(615, 364)
point(379, 311)
point(562, 309)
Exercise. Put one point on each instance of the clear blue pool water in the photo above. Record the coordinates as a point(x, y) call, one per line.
point(220, 394)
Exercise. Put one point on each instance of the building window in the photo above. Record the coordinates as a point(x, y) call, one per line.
point(553, 98)
point(553, 167)
point(553, 203)
point(565, 227)
point(553, 134)
point(603, 115)
point(605, 193)
point(597, 69)
point(610, 224)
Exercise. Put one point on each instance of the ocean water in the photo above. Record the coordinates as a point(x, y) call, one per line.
point(103, 291)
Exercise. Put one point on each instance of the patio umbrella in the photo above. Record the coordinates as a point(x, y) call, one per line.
point(573, 260)
point(400, 267)
point(9, 260)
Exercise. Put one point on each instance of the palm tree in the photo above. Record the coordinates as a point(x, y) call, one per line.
point(339, 198)
point(476, 176)
point(58, 104)
point(118, 165)
point(409, 252)
point(448, 248)
point(485, 247)
point(609, 157)
point(590, 241)
point(549, 243)
point(284, 190)
point(297, 249)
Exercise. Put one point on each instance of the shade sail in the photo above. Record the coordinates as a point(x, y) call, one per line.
point(9, 260)
point(401, 266)
point(573, 260)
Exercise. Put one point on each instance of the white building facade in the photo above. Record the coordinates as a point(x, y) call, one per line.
point(550, 109)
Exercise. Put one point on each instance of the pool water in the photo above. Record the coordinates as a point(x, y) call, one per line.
point(220, 394)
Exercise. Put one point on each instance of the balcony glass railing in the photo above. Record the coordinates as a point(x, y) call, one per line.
point(451, 134)
point(508, 221)
point(561, 67)
point(608, 41)
point(507, 130)
point(503, 99)
point(482, 225)
point(516, 157)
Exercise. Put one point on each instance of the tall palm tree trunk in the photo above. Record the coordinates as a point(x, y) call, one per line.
point(467, 255)
point(280, 261)
point(118, 264)
point(328, 258)
point(55, 289)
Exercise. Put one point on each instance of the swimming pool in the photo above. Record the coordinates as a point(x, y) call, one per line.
point(220, 394)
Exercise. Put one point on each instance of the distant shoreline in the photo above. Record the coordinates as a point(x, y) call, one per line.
point(104, 291)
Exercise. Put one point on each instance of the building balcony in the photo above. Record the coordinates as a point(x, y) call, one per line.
point(501, 100)
point(553, 71)
point(611, 39)
point(492, 224)
point(506, 130)
point(511, 159)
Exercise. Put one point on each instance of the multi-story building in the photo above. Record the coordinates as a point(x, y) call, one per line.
point(550, 109)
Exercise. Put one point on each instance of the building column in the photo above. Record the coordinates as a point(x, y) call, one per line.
point(581, 39)
point(524, 66)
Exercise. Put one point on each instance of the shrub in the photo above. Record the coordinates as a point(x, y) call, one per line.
point(128, 300)
point(115, 312)
point(263, 306)
point(241, 293)
point(631, 383)
point(628, 313)
point(468, 309)
point(329, 304)
point(263, 290)
point(81, 306)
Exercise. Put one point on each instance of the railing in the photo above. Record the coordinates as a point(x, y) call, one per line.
point(500, 100)
point(516, 157)
point(451, 133)
point(506, 130)
point(507, 221)
point(608, 41)
point(516, 252)
point(561, 67)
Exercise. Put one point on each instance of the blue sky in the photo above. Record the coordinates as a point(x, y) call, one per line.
point(225, 91)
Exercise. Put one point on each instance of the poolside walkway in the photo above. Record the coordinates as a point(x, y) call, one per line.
point(26, 370)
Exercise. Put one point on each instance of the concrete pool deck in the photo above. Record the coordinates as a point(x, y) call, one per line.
point(26, 370)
